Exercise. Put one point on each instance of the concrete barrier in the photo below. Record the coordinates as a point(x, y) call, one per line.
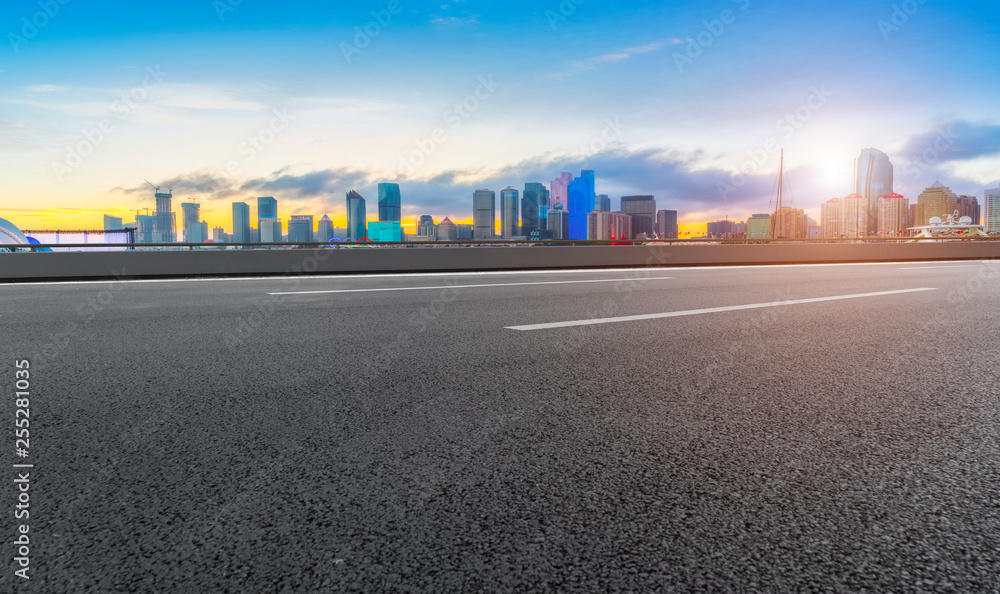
point(23, 266)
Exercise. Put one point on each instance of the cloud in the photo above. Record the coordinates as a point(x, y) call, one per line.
point(454, 21)
point(44, 88)
point(592, 63)
point(953, 141)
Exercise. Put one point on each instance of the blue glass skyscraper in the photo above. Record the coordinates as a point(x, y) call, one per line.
point(389, 203)
point(580, 203)
point(534, 208)
point(241, 222)
point(267, 208)
point(357, 217)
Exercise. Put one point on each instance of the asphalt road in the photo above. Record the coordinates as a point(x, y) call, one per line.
point(399, 435)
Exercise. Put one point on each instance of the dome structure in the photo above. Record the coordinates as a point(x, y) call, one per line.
point(11, 235)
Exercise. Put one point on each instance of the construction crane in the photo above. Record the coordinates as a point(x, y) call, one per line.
point(155, 188)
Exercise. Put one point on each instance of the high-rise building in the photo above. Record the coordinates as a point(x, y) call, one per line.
point(893, 215)
point(389, 203)
point(447, 231)
point(724, 229)
point(241, 222)
point(267, 208)
point(759, 226)
point(603, 202)
point(641, 209)
point(112, 223)
point(968, 206)
point(534, 208)
point(580, 202)
point(830, 219)
point(324, 229)
point(991, 210)
point(144, 228)
point(484, 213)
point(854, 216)
point(385, 231)
point(558, 222)
point(300, 229)
point(873, 180)
point(193, 231)
point(426, 227)
point(164, 226)
point(666, 224)
point(937, 201)
point(219, 235)
point(509, 222)
point(357, 217)
point(789, 223)
point(559, 189)
point(270, 231)
point(465, 231)
point(603, 225)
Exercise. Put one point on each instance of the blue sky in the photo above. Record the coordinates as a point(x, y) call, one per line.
point(671, 99)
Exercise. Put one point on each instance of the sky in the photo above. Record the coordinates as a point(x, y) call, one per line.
point(692, 102)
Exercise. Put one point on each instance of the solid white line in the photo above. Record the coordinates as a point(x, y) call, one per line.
point(695, 312)
point(934, 267)
point(602, 280)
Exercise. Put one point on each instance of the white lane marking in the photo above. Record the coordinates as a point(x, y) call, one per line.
point(602, 280)
point(695, 312)
point(934, 267)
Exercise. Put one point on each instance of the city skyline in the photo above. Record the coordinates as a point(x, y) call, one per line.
point(652, 107)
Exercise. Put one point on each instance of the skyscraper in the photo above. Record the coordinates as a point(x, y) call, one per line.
point(603, 225)
point(447, 231)
point(641, 209)
point(144, 228)
point(426, 226)
point(267, 208)
point(164, 225)
point(937, 201)
point(560, 189)
point(558, 222)
point(484, 213)
point(830, 219)
point(968, 206)
point(357, 217)
point(389, 202)
point(324, 230)
point(270, 231)
point(603, 202)
point(666, 224)
point(991, 210)
point(893, 212)
point(241, 222)
point(790, 223)
point(534, 208)
point(854, 216)
point(300, 229)
point(193, 232)
point(509, 221)
point(580, 202)
point(873, 180)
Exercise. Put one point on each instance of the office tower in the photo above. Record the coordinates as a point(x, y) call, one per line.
point(854, 216)
point(642, 209)
point(357, 217)
point(991, 210)
point(385, 231)
point(112, 223)
point(267, 208)
point(873, 179)
point(830, 219)
point(534, 208)
point(603, 202)
point(389, 202)
point(558, 222)
point(219, 234)
point(560, 189)
point(603, 225)
point(893, 215)
point(484, 213)
point(759, 226)
point(579, 203)
point(968, 206)
point(144, 228)
point(192, 223)
point(300, 229)
point(164, 225)
point(447, 231)
point(666, 224)
point(270, 231)
point(465, 231)
point(509, 213)
point(324, 230)
point(937, 201)
point(426, 226)
point(241, 222)
point(725, 229)
point(789, 223)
